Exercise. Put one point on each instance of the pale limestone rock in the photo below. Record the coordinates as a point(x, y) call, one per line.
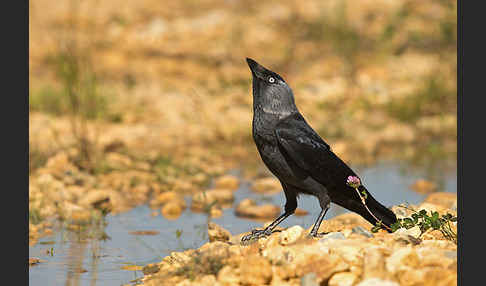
point(279, 254)
point(72, 193)
point(444, 199)
point(267, 186)
point(432, 234)
point(300, 212)
point(47, 211)
point(215, 212)
point(219, 196)
point(310, 279)
point(183, 186)
point(255, 271)
point(199, 178)
point(377, 282)
point(68, 208)
point(270, 241)
point(291, 235)
point(216, 248)
point(343, 221)
point(402, 259)
point(118, 161)
point(433, 257)
point(374, 263)
point(432, 208)
point(173, 209)
point(81, 216)
point(401, 212)
point(58, 165)
point(185, 282)
point(360, 230)
point(166, 197)
point(414, 231)
point(343, 279)
point(48, 182)
point(227, 182)
point(217, 233)
point(423, 186)
point(207, 280)
point(116, 201)
point(323, 266)
point(178, 259)
point(235, 250)
point(351, 251)
point(228, 276)
point(332, 235)
point(248, 208)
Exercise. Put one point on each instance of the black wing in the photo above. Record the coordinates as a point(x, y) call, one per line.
point(303, 147)
point(301, 144)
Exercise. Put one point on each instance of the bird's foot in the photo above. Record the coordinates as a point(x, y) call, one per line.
point(255, 235)
point(316, 235)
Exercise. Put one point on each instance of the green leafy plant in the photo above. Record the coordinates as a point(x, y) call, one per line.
point(425, 221)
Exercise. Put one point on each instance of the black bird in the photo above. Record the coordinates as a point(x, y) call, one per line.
point(298, 156)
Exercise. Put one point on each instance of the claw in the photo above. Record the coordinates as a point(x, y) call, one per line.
point(317, 235)
point(255, 235)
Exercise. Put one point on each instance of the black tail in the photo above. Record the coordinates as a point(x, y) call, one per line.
point(382, 213)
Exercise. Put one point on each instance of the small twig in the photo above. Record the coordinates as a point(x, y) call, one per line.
point(355, 182)
point(364, 203)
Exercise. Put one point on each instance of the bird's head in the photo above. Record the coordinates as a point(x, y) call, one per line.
point(270, 91)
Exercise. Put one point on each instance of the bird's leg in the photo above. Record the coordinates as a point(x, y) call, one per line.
point(290, 207)
point(325, 203)
point(259, 233)
point(318, 224)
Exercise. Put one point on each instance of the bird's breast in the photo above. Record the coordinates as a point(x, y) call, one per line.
point(267, 145)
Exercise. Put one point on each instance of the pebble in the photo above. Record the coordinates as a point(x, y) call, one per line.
point(291, 235)
point(217, 233)
point(444, 199)
point(423, 186)
point(227, 182)
point(343, 279)
point(300, 212)
point(249, 209)
point(173, 209)
point(219, 196)
point(267, 186)
point(215, 212)
point(360, 230)
point(310, 279)
point(332, 235)
point(414, 232)
point(377, 282)
point(166, 197)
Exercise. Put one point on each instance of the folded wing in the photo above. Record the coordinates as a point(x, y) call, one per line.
point(301, 144)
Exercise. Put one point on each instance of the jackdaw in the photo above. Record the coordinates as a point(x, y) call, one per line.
point(299, 158)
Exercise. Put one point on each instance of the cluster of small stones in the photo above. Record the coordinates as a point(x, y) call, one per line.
point(62, 190)
point(349, 254)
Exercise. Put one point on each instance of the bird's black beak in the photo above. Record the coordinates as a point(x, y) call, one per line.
point(252, 64)
point(256, 69)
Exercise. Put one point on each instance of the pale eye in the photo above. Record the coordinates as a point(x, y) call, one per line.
point(271, 80)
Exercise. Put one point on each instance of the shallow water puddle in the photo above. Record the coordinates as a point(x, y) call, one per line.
point(114, 252)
